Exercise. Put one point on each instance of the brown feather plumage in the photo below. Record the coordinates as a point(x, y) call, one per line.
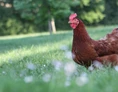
point(85, 50)
point(107, 46)
point(108, 59)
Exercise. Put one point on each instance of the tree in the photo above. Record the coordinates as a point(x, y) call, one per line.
point(40, 11)
point(5, 7)
point(111, 12)
point(91, 11)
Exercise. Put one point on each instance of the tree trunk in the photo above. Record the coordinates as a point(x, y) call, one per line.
point(51, 26)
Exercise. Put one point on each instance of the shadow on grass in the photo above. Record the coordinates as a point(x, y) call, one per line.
point(11, 44)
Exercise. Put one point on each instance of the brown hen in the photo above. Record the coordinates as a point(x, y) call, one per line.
point(85, 50)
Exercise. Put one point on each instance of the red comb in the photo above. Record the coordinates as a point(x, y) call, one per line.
point(73, 16)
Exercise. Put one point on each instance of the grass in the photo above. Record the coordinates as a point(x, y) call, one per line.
point(40, 63)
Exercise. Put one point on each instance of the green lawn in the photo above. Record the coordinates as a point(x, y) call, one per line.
point(41, 63)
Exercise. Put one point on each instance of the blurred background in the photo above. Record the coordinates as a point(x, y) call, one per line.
point(29, 16)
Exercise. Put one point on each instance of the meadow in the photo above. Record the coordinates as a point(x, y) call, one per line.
point(42, 63)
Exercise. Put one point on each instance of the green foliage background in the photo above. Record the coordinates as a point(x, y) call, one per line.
point(27, 16)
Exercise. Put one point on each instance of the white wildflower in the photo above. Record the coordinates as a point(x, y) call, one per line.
point(67, 83)
point(22, 73)
point(57, 64)
point(69, 68)
point(28, 79)
point(31, 66)
point(97, 64)
point(82, 80)
point(46, 77)
point(10, 61)
point(73, 55)
point(3, 72)
point(116, 68)
point(64, 48)
point(91, 68)
point(44, 65)
point(68, 54)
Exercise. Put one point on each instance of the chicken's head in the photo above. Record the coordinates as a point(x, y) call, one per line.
point(73, 20)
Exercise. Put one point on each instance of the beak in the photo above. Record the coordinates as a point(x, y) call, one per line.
point(69, 22)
